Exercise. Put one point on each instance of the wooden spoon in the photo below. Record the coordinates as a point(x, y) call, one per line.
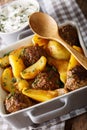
point(46, 27)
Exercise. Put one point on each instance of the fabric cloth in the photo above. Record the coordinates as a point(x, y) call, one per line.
point(61, 11)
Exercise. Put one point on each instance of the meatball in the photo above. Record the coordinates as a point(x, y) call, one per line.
point(69, 34)
point(16, 101)
point(76, 78)
point(49, 80)
point(31, 54)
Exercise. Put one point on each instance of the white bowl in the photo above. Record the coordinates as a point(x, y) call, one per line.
point(16, 16)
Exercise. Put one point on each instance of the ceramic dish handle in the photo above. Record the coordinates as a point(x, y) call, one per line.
point(48, 110)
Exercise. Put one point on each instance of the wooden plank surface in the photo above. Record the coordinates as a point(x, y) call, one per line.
point(77, 123)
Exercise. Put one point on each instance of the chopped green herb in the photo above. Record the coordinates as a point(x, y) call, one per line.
point(13, 80)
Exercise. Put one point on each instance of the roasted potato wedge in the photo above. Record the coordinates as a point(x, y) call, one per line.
point(40, 95)
point(7, 80)
point(61, 66)
point(4, 61)
point(17, 65)
point(22, 84)
point(73, 62)
point(18, 52)
point(40, 41)
point(33, 70)
point(57, 51)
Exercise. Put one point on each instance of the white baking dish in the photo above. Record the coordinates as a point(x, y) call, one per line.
point(47, 110)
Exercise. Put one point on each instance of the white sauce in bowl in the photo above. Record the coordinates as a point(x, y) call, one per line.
point(14, 16)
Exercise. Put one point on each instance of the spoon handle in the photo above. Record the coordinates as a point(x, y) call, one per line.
point(80, 58)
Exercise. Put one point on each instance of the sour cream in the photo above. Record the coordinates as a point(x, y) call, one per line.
point(14, 16)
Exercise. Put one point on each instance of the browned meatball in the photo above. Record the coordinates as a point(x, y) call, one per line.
point(31, 54)
point(16, 101)
point(76, 78)
point(49, 80)
point(69, 34)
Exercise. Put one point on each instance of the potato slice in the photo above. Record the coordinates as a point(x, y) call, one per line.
point(22, 84)
point(7, 81)
point(73, 62)
point(57, 51)
point(61, 66)
point(4, 61)
point(17, 65)
point(17, 52)
point(33, 70)
point(40, 95)
point(40, 41)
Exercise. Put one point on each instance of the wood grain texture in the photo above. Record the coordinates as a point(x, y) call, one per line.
point(77, 123)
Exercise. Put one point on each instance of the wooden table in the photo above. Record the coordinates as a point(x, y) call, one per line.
point(80, 122)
